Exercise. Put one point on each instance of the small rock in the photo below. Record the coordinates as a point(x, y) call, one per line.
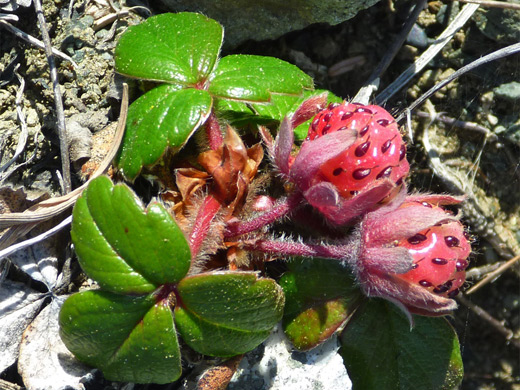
point(93, 120)
point(266, 19)
point(509, 92)
point(12, 5)
point(417, 37)
point(32, 118)
point(500, 25)
point(80, 143)
point(276, 366)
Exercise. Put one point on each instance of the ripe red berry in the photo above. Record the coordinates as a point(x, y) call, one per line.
point(378, 152)
point(439, 256)
point(413, 253)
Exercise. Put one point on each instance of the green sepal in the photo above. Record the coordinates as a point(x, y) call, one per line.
point(130, 339)
point(320, 294)
point(227, 313)
point(125, 248)
point(381, 352)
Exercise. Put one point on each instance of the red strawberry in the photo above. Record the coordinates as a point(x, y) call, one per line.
point(413, 253)
point(378, 152)
point(439, 257)
point(353, 161)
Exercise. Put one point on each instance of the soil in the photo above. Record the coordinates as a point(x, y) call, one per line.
point(485, 168)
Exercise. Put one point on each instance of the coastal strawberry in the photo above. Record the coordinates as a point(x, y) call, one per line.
point(352, 162)
point(439, 256)
point(378, 152)
point(413, 253)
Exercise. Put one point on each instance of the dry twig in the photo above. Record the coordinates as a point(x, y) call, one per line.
point(364, 94)
point(501, 53)
point(482, 223)
point(479, 272)
point(492, 276)
point(36, 42)
point(62, 133)
point(492, 4)
point(429, 54)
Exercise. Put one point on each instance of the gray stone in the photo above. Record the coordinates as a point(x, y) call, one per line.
point(12, 5)
point(276, 365)
point(500, 25)
point(80, 143)
point(509, 91)
point(268, 19)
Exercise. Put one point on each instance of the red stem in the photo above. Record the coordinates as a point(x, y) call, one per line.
point(291, 248)
point(215, 137)
point(209, 208)
point(280, 210)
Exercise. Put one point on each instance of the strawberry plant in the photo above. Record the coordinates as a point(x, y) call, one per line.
point(193, 264)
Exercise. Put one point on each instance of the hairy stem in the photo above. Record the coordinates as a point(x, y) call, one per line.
point(280, 210)
point(291, 248)
point(207, 212)
point(213, 132)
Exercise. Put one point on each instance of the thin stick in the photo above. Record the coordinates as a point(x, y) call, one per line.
point(508, 333)
point(36, 42)
point(363, 96)
point(496, 55)
point(24, 244)
point(479, 272)
point(472, 126)
point(62, 131)
point(492, 4)
point(493, 275)
point(429, 54)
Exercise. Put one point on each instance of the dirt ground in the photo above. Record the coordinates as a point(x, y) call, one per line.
point(482, 162)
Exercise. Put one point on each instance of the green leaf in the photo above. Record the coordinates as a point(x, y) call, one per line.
point(163, 117)
point(382, 352)
point(226, 314)
point(255, 78)
point(131, 339)
point(282, 105)
point(319, 296)
point(237, 114)
point(127, 249)
point(176, 48)
point(269, 113)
